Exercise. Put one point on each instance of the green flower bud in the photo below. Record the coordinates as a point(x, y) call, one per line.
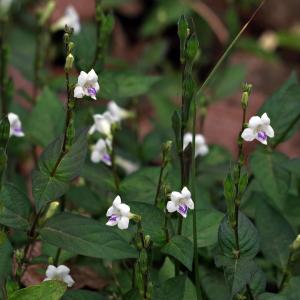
point(69, 62)
point(147, 241)
point(192, 48)
point(143, 261)
point(296, 243)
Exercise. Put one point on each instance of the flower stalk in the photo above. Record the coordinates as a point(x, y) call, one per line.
point(3, 67)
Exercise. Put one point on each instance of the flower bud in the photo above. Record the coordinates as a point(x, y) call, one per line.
point(296, 243)
point(19, 254)
point(69, 62)
point(143, 260)
point(183, 28)
point(192, 48)
point(147, 241)
point(66, 38)
point(70, 46)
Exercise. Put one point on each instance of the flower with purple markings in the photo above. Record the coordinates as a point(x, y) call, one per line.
point(61, 273)
point(119, 214)
point(259, 128)
point(87, 85)
point(101, 152)
point(201, 147)
point(180, 202)
point(15, 125)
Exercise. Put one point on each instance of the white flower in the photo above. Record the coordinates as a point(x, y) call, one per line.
point(5, 5)
point(201, 147)
point(180, 202)
point(102, 124)
point(127, 165)
point(100, 152)
point(87, 85)
point(118, 113)
point(259, 128)
point(60, 273)
point(15, 125)
point(70, 18)
point(119, 214)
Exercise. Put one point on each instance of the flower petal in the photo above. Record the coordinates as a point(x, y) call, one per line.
point(123, 223)
point(92, 76)
point(202, 150)
point(269, 131)
point(171, 207)
point(175, 196)
point(265, 119)
point(96, 156)
point(69, 280)
point(254, 122)
point(117, 201)
point(186, 193)
point(248, 135)
point(124, 209)
point(51, 271)
point(190, 203)
point(187, 139)
point(62, 270)
point(78, 92)
point(199, 139)
point(82, 78)
point(110, 211)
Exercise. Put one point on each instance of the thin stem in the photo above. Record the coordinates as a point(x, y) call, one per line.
point(114, 166)
point(158, 188)
point(3, 290)
point(3, 68)
point(98, 32)
point(249, 292)
point(229, 48)
point(194, 193)
point(286, 272)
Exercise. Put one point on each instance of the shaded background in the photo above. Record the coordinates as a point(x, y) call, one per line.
point(265, 56)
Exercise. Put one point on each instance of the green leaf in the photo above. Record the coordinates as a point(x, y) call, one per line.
point(15, 207)
point(270, 296)
point(141, 186)
point(214, 285)
point(48, 186)
point(87, 237)
point(180, 248)
point(291, 289)
point(248, 238)
point(82, 295)
point(208, 221)
point(275, 232)
point(176, 124)
point(71, 163)
point(47, 290)
point(269, 171)
point(46, 189)
point(173, 288)
point(122, 85)
point(284, 110)
point(6, 254)
point(149, 213)
point(48, 110)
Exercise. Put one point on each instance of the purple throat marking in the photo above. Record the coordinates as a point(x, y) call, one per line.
point(106, 157)
point(113, 218)
point(18, 130)
point(92, 91)
point(183, 208)
point(262, 135)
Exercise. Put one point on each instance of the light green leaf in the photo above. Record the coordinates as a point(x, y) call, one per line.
point(47, 290)
point(275, 232)
point(180, 248)
point(87, 237)
point(48, 110)
point(15, 207)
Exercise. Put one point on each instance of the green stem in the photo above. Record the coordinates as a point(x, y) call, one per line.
point(98, 32)
point(3, 68)
point(114, 166)
point(286, 272)
point(194, 193)
point(249, 292)
point(158, 188)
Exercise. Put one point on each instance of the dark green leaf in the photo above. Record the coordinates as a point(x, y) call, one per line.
point(87, 237)
point(248, 238)
point(269, 296)
point(273, 178)
point(6, 254)
point(181, 248)
point(48, 110)
point(275, 232)
point(47, 290)
point(208, 221)
point(82, 295)
point(15, 207)
point(284, 110)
